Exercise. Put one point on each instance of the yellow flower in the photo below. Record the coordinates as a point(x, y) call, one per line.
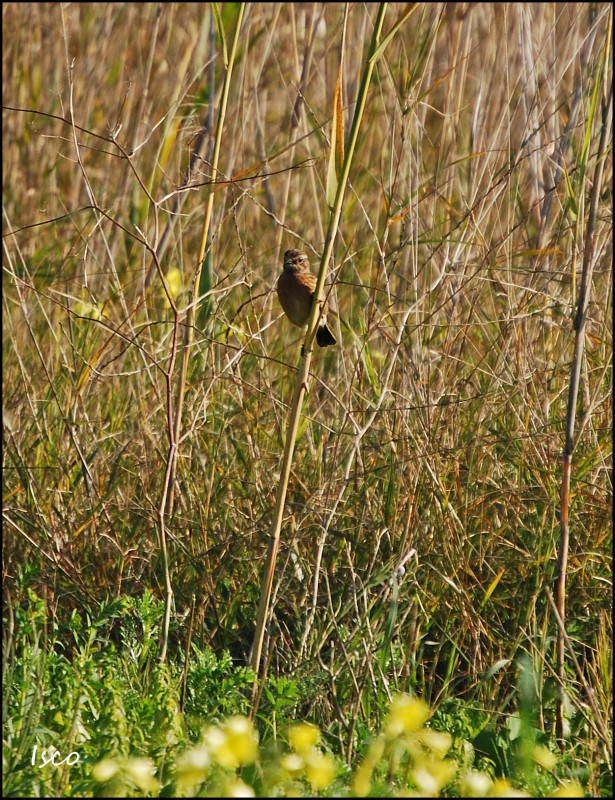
point(105, 770)
point(141, 772)
point(544, 757)
point(303, 736)
point(237, 788)
point(174, 282)
point(319, 768)
point(407, 714)
point(431, 775)
point(502, 788)
point(86, 309)
point(233, 744)
point(475, 784)
point(242, 739)
point(362, 780)
point(569, 789)
point(361, 783)
point(438, 743)
point(292, 763)
point(192, 767)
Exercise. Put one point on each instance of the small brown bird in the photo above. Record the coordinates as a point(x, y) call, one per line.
point(295, 290)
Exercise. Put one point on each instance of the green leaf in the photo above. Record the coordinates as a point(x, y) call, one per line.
point(385, 42)
point(495, 668)
point(220, 28)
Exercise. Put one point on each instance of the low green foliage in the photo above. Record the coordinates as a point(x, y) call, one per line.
point(111, 713)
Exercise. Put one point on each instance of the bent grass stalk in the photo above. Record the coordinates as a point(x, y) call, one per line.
point(376, 50)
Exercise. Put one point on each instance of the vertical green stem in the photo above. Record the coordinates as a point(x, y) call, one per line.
point(303, 371)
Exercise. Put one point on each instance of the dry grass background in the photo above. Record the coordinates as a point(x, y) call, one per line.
point(433, 434)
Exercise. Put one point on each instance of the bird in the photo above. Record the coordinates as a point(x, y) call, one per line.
point(295, 290)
